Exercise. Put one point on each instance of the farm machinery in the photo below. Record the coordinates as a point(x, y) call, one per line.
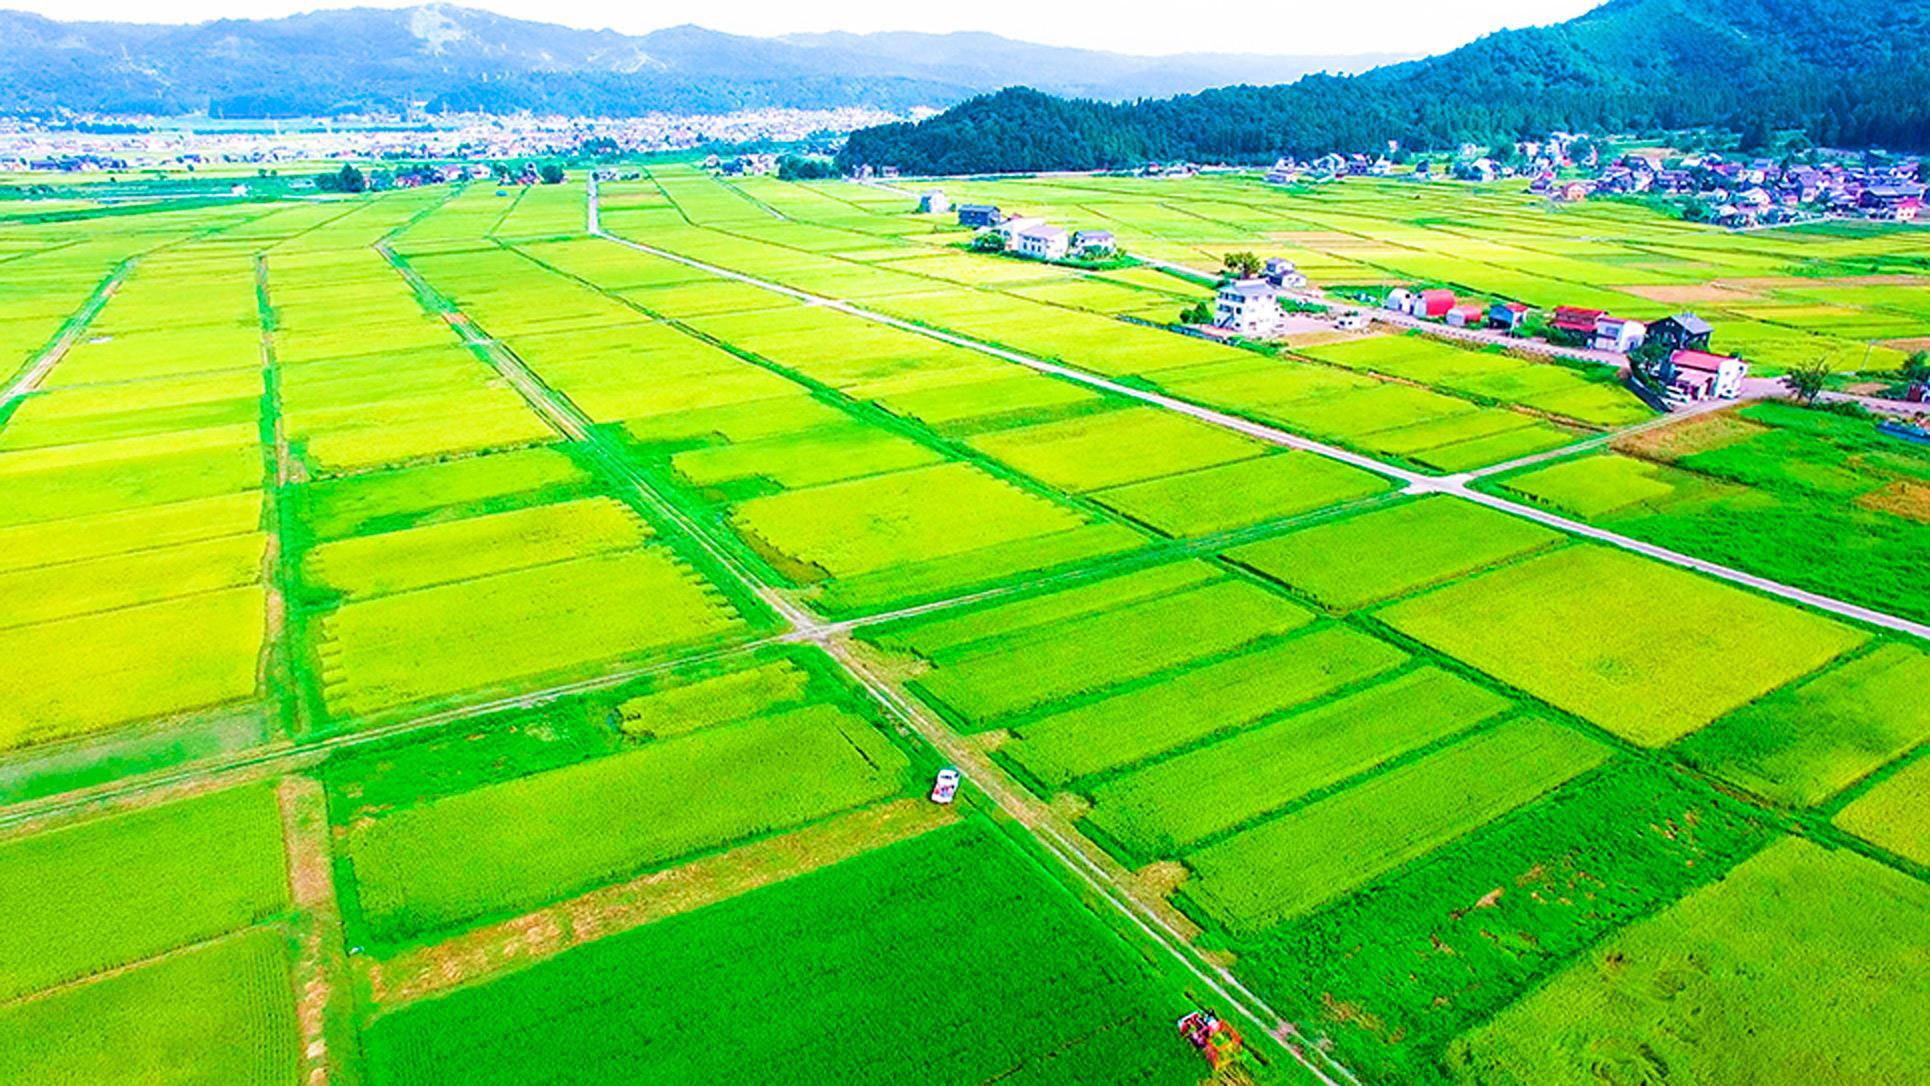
point(1215, 1038)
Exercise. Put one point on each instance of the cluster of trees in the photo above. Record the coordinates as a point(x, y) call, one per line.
point(351, 179)
point(806, 168)
point(1840, 70)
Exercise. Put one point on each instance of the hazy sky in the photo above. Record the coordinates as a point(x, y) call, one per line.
point(1131, 26)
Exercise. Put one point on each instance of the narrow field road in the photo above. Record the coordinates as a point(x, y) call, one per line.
point(28, 381)
point(1415, 482)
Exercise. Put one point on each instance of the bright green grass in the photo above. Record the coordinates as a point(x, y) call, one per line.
point(1010, 675)
point(1594, 485)
point(507, 847)
point(1896, 813)
point(1647, 651)
point(218, 1015)
point(1803, 744)
point(1241, 493)
point(433, 642)
point(115, 890)
point(79, 675)
point(1802, 966)
point(953, 958)
point(1173, 804)
point(377, 565)
point(811, 458)
point(43, 490)
point(1146, 721)
point(1390, 552)
point(1282, 868)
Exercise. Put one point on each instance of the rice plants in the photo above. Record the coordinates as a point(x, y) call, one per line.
point(1285, 867)
point(1803, 965)
point(1241, 493)
point(1895, 813)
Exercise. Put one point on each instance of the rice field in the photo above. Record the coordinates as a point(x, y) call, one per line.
point(448, 647)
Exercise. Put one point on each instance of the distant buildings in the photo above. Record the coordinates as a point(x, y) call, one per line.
point(934, 203)
point(1283, 274)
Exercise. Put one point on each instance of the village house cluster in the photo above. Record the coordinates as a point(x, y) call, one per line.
point(1251, 306)
point(1757, 191)
point(1026, 235)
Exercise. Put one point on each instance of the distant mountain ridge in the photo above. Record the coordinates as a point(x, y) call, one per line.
point(454, 58)
point(1849, 72)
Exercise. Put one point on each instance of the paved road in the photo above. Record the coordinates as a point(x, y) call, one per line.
point(1415, 482)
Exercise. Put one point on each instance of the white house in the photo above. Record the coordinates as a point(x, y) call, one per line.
point(1094, 242)
point(1250, 307)
point(1014, 225)
point(934, 203)
point(1618, 334)
point(1282, 273)
point(1282, 173)
point(1042, 242)
point(1699, 375)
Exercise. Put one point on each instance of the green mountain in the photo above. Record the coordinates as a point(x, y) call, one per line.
point(1849, 72)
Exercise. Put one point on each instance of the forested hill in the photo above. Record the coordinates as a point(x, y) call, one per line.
point(1849, 72)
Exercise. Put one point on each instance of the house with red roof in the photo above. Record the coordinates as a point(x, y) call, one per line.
point(1507, 316)
point(1692, 376)
point(1579, 323)
point(1466, 315)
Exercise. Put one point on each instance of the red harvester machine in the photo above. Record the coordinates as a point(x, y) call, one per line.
point(1215, 1037)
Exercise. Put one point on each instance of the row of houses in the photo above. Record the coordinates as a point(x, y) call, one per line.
point(1328, 167)
point(1687, 372)
point(1027, 235)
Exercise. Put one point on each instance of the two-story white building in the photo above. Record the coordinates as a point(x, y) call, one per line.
point(1618, 334)
point(1248, 307)
point(1041, 242)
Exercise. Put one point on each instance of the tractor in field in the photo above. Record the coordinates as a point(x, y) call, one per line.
point(1215, 1038)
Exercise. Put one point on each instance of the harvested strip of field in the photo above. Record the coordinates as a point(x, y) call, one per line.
point(421, 971)
point(1010, 675)
point(79, 675)
point(379, 565)
point(154, 1025)
point(1390, 552)
point(1646, 650)
point(506, 847)
point(1804, 965)
point(1241, 493)
point(1803, 744)
point(954, 957)
point(1896, 813)
point(115, 890)
point(437, 641)
point(1163, 809)
point(1149, 720)
point(1285, 867)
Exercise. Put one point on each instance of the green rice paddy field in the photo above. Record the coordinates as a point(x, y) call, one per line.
point(448, 647)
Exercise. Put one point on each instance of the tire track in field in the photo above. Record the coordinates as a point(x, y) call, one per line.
point(28, 381)
point(1413, 481)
